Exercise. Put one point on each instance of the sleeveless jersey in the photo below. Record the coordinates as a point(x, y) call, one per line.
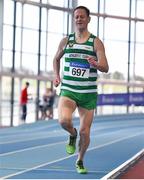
point(78, 75)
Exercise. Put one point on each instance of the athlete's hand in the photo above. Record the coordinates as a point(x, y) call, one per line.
point(56, 81)
point(92, 61)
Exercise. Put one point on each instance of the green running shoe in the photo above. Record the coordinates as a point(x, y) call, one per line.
point(80, 167)
point(71, 146)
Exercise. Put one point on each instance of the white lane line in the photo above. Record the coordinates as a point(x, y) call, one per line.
point(36, 167)
point(60, 169)
point(27, 128)
point(64, 158)
point(22, 132)
point(125, 164)
point(49, 145)
point(36, 136)
point(31, 148)
point(44, 135)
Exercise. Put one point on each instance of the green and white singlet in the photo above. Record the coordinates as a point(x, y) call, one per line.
point(78, 75)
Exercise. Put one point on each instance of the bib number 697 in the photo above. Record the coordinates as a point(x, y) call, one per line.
point(78, 72)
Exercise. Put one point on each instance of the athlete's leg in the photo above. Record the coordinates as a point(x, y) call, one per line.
point(66, 107)
point(86, 118)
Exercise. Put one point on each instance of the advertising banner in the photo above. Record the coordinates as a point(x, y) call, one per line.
point(136, 99)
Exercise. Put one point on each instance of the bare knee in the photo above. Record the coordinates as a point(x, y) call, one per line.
point(65, 123)
point(85, 132)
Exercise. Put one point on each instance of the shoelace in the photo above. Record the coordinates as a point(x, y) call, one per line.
point(80, 164)
point(72, 140)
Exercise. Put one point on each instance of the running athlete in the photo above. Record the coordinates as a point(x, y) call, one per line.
point(84, 54)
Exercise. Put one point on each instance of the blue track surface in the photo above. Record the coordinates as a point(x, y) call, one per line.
point(37, 151)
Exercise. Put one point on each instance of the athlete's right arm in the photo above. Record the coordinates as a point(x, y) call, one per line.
point(56, 61)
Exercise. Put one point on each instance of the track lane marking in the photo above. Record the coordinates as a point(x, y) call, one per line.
point(64, 158)
point(31, 148)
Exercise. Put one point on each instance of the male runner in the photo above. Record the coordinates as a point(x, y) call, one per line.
point(84, 54)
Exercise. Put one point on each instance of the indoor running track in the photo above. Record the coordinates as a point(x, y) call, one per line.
point(37, 150)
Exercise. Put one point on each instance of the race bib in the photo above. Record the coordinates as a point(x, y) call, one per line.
point(78, 69)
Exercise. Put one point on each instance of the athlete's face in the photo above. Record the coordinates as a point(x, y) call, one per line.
point(81, 19)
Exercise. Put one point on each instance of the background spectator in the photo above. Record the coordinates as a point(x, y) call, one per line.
point(23, 102)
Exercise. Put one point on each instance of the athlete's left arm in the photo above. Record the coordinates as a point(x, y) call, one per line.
point(101, 63)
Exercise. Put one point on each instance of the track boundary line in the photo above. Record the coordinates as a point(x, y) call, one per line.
point(123, 165)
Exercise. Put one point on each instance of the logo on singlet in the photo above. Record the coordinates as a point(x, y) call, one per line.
point(71, 44)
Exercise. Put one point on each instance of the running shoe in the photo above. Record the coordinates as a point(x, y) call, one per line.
point(71, 146)
point(80, 167)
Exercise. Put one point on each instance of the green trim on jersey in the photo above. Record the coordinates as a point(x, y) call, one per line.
point(78, 75)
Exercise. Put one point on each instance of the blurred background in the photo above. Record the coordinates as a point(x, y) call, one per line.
point(30, 32)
